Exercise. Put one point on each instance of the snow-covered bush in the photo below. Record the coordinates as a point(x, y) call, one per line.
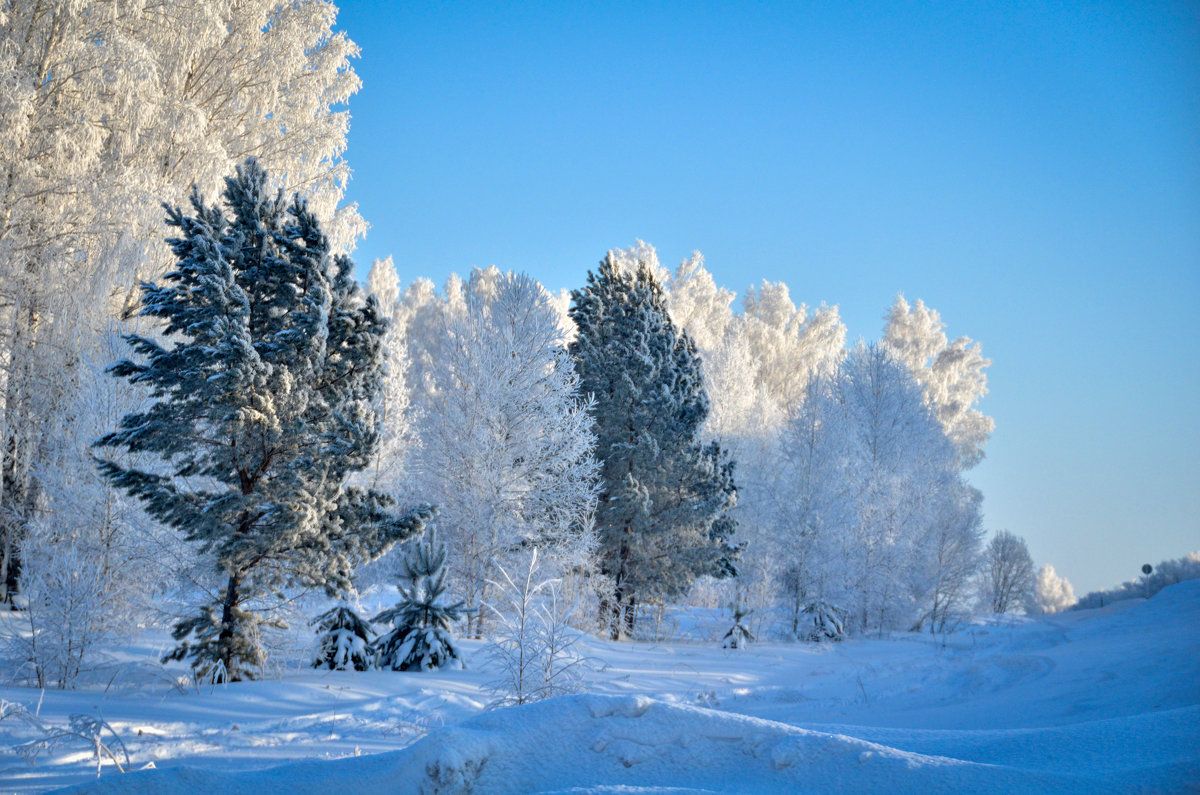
point(822, 621)
point(534, 643)
point(1054, 593)
point(345, 641)
point(420, 639)
point(1166, 573)
point(89, 729)
point(71, 608)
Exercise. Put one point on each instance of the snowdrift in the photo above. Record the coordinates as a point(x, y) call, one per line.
point(626, 744)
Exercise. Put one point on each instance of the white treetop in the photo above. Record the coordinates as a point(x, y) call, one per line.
point(1053, 591)
point(952, 374)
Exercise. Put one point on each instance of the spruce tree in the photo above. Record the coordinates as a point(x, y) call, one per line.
point(345, 640)
point(262, 390)
point(420, 638)
point(663, 514)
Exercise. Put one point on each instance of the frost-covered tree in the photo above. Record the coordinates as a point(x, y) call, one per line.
point(663, 515)
point(71, 609)
point(1008, 573)
point(420, 639)
point(815, 504)
point(884, 528)
point(949, 554)
point(892, 449)
point(1053, 592)
point(506, 442)
point(83, 520)
point(758, 363)
point(344, 640)
point(951, 373)
point(389, 471)
point(102, 104)
point(262, 391)
point(533, 645)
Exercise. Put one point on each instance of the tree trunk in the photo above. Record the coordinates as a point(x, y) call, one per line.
point(227, 639)
point(615, 617)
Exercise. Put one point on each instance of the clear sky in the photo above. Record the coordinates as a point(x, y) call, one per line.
point(1032, 171)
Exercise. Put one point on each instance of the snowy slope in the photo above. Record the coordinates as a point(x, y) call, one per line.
point(1093, 701)
point(593, 741)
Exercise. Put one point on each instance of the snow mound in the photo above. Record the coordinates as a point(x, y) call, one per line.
point(600, 744)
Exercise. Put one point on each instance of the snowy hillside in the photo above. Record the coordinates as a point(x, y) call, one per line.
point(1101, 700)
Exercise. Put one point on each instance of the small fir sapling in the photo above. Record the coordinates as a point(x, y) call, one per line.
point(420, 639)
point(739, 635)
point(345, 641)
point(825, 622)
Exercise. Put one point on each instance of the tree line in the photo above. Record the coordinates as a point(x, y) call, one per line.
point(277, 427)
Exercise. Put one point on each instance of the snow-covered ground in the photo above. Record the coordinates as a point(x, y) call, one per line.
point(1090, 701)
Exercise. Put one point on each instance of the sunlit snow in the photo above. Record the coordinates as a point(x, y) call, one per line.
point(1101, 700)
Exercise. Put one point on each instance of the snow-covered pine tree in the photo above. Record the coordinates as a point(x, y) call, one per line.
point(662, 516)
point(262, 409)
point(345, 640)
point(739, 635)
point(420, 638)
point(823, 621)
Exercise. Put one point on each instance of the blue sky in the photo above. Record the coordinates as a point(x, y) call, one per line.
point(1032, 171)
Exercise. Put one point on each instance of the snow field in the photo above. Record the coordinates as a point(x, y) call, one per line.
point(1093, 701)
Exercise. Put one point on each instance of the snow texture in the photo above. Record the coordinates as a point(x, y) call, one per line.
point(1088, 701)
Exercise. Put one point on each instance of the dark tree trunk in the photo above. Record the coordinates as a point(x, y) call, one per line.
point(227, 639)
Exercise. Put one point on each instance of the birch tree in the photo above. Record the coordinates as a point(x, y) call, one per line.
point(951, 374)
point(507, 449)
point(1008, 573)
point(104, 105)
